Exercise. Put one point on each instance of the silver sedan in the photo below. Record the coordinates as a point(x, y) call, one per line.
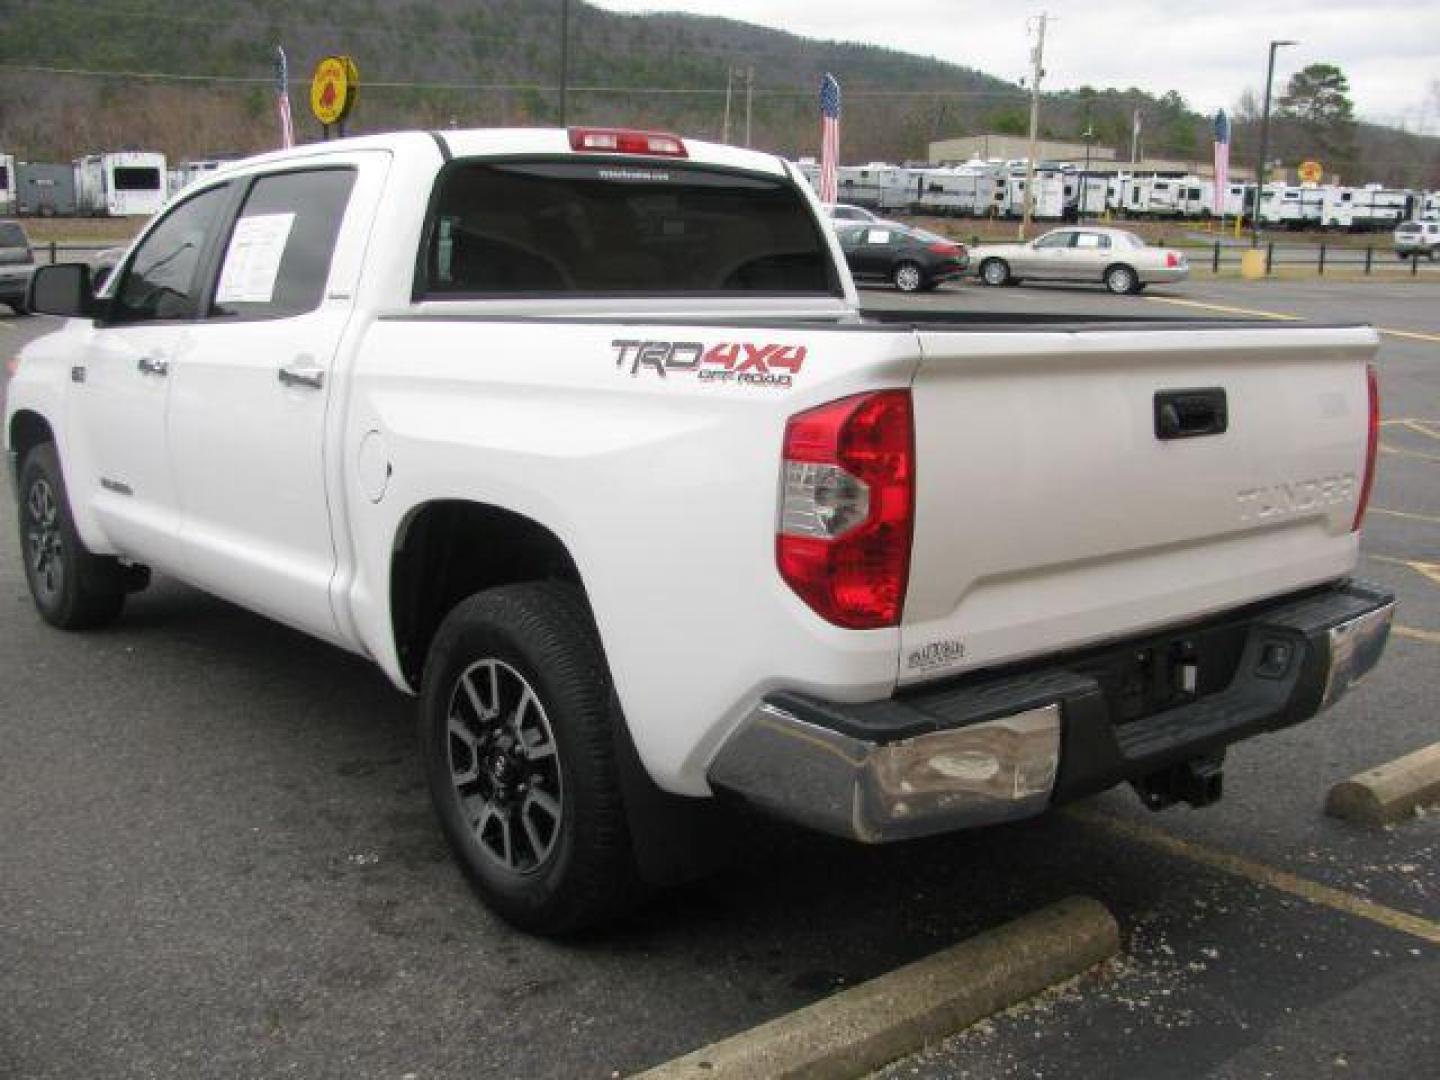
point(1118, 259)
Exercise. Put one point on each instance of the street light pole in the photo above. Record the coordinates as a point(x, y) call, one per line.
point(1260, 171)
point(1088, 136)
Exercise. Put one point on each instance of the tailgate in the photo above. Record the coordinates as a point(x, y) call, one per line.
point(1050, 512)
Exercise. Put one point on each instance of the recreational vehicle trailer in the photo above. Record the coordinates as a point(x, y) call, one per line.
point(8, 185)
point(876, 186)
point(130, 183)
point(44, 190)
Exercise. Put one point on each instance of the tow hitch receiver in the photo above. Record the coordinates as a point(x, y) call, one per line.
point(1198, 781)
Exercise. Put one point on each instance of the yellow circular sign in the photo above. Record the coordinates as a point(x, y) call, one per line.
point(333, 88)
point(1311, 172)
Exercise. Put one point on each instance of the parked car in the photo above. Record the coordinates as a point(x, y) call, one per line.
point(17, 264)
point(1416, 238)
point(1119, 259)
point(583, 438)
point(910, 259)
point(846, 212)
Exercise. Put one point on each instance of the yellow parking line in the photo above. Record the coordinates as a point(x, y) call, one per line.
point(1431, 518)
point(1222, 308)
point(1400, 451)
point(1425, 569)
point(1413, 335)
point(1261, 874)
point(1430, 637)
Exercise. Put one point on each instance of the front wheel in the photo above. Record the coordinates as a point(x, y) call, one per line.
point(908, 277)
point(517, 727)
point(72, 589)
point(1122, 280)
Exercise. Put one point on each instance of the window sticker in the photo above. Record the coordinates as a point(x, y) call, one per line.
point(252, 262)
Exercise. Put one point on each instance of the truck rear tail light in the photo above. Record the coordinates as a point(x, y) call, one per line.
point(623, 141)
point(1172, 260)
point(847, 508)
point(1371, 447)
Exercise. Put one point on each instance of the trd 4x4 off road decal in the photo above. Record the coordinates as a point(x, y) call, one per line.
point(752, 365)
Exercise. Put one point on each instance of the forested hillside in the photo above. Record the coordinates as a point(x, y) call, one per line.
point(195, 79)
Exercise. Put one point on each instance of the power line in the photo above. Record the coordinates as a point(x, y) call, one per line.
point(698, 91)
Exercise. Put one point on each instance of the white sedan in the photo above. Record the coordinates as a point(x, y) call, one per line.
point(1118, 259)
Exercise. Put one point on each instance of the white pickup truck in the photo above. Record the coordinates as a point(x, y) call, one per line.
point(582, 437)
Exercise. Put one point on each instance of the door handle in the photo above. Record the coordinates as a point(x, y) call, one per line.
point(307, 375)
point(153, 365)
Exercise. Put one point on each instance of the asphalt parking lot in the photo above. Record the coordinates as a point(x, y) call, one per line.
point(217, 856)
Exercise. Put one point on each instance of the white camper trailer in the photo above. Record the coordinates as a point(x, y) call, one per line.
point(876, 186)
point(131, 183)
point(1048, 200)
point(187, 172)
point(960, 190)
point(9, 186)
point(1380, 208)
point(1093, 193)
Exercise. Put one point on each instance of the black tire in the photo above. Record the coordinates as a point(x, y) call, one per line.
point(1121, 279)
point(72, 589)
point(908, 276)
point(995, 272)
point(541, 634)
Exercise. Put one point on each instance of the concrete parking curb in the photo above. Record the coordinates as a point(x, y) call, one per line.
point(1390, 792)
point(860, 1029)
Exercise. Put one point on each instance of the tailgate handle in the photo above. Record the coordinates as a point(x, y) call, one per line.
point(1184, 414)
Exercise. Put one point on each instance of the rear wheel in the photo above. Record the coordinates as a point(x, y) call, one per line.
point(1121, 280)
point(518, 721)
point(995, 272)
point(72, 589)
point(908, 277)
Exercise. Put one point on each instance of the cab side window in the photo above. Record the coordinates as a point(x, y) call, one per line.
point(1055, 240)
point(164, 279)
point(277, 261)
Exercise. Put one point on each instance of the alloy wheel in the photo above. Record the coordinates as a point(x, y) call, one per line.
point(44, 542)
point(505, 765)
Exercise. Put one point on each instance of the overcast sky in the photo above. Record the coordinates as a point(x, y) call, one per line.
point(1209, 51)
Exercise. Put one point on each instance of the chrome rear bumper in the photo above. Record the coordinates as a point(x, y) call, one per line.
point(1001, 747)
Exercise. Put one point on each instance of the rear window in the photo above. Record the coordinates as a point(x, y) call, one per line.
point(130, 178)
point(12, 236)
point(554, 227)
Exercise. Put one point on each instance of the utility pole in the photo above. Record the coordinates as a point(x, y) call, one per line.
point(1037, 72)
point(564, 58)
point(1135, 137)
point(749, 95)
point(725, 126)
point(1260, 170)
point(1088, 136)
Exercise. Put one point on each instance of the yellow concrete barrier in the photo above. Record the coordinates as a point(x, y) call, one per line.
point(1252, 264)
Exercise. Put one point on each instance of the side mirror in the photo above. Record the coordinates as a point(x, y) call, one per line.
point(63, 289)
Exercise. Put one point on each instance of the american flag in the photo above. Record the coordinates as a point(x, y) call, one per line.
point(282, 99)
point(1222, 160)
point(829, 137)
